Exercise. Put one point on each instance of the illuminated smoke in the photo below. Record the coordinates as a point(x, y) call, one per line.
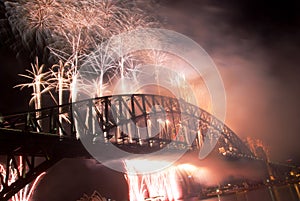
point(172, 183)
point(258, 148)
point(160, 184)
point(25, 193)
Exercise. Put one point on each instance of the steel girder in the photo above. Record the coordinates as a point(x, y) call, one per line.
point(121, 119)
point(142, 120)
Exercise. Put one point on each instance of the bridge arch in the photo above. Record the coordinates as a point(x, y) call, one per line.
point(167, 123)
point(144, 119)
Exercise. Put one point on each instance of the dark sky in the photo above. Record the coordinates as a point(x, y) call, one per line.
point(255, 45)
point(86, 176)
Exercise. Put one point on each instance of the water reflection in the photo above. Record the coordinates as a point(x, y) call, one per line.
point(276, 193)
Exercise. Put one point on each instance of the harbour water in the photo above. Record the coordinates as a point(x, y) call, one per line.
point(288, 192)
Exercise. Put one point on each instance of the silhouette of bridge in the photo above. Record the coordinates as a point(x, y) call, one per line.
point(138, 123)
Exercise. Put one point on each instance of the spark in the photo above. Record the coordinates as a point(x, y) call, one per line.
point(57, 24)
point(39, 84)
point(128, 75)
point(166, 184)
point(180, 86)
point(94, 78)
point(162, 184)
point(58, 80)
point(61, 83)
point(97, 67)
point(25, 193)
point(74, 32)
point(159, 59)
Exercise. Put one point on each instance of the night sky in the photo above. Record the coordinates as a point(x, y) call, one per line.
point(256, 47)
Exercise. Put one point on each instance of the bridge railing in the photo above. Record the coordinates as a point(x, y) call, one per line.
point(46, 120)
point(143, 119)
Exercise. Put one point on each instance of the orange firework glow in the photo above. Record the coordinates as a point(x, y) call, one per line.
point(169, 184)
point(257, 147)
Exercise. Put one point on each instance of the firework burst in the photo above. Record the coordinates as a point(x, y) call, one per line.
point(167, 184)
point(59, 23)
point(39, 85)
point(25, 193)
point(162, 184)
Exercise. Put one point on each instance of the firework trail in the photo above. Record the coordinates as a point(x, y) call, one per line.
point(97, 67)
point(60, 82)
point(170, 183)
point(162, 184)
point(70, 31)
point(25, 193)
point(75, 34)
point(39, 84)
point(58, 24)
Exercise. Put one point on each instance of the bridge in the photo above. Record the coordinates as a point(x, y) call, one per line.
point(138, 123)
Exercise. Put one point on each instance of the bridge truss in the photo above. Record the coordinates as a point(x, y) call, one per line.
point(141, 122)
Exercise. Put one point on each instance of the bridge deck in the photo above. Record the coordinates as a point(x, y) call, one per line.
point(30, 143)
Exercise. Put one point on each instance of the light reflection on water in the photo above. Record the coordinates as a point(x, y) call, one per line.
point(275, 193)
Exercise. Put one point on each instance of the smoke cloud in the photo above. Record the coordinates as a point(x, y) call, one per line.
point(255, 49)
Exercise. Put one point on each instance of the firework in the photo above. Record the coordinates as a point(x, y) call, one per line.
point(170, 183)
point(61, 82)
point(162, 184)
point(39, 85)
point(25, 193)
point(75, 32)
point(97, 68)
point(59, 24)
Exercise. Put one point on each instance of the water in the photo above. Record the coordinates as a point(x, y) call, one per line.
point(275, 193)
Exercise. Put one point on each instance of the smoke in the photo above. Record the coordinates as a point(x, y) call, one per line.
point(255, 49)
point(215, 169)
point(189, 173)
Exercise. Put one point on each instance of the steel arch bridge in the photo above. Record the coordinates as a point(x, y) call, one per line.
point(138, 123)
